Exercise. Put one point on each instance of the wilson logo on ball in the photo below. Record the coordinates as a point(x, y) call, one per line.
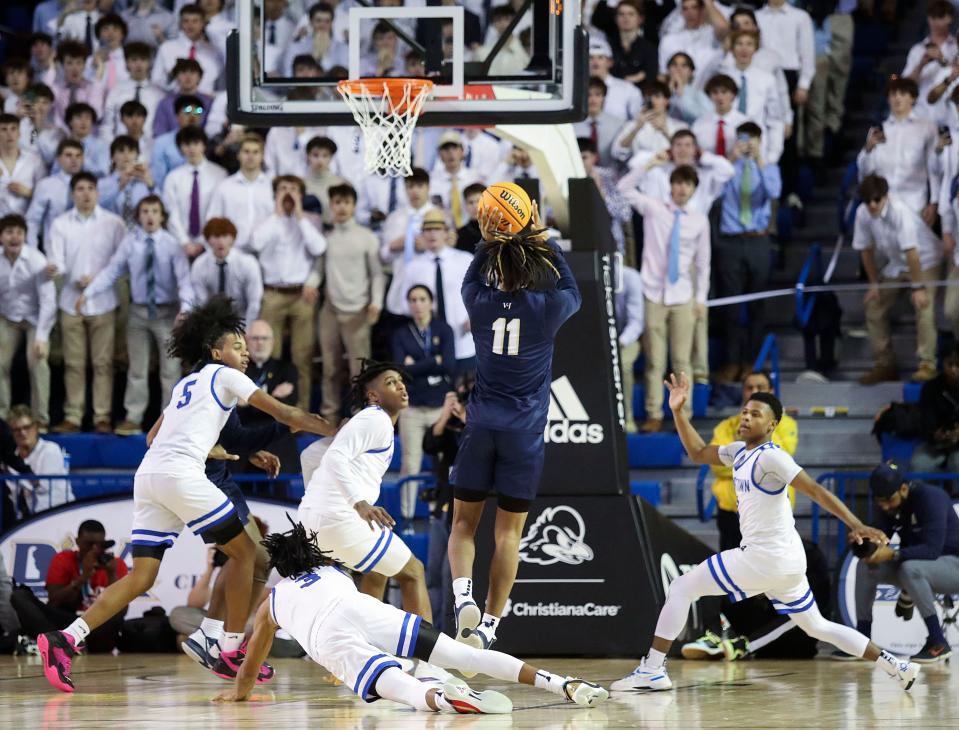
point(505, 195)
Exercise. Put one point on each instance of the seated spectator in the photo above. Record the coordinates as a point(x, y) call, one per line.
point(629, 328)
point(136, 87)
point(149, 22)
point(51, 197)
point(129, 181)
point(450, 176)
point(21, 170)
point(74, 580)
point(190, 43)
point(43, 457)
point(887, 224)
point(512, 57)
point(246, 197)
point(620, 212)
point(320, 153)
point(623, 99)
point(786, 436)
point(316, 40)
point(14, 500)
point(81, 121)
point(468, 235)
point(28, 310)
point(653, 128)
point(924, 563)
point(17, 76)
point(39, 131)
point(224, 269)
point(687, 102)
point(107, 64)
point(634, 54)
point(9, 623)
point(600, 127)
point(187, 77)
point(939, 411)
point(70, 86)
point(675, 277)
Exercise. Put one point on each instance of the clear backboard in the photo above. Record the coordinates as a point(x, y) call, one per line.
point(527, 65)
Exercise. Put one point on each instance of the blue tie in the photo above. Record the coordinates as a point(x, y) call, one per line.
point(151, 279)
point(742, 93)
point(673, 270)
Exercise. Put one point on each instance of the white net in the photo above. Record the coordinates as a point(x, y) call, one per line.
point(387, 120)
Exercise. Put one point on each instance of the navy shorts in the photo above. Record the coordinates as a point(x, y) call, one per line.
point(232, 490)
point(507, 462)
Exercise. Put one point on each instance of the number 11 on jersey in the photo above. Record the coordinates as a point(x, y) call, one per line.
point(500, 327)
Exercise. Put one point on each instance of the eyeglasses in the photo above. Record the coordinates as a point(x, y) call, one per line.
point(190, 109)
point(26, 427)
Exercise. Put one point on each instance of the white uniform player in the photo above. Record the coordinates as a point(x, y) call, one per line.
point(170, 488)
point(351, 471)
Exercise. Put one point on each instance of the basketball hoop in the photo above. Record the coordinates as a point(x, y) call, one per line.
point(386, 110)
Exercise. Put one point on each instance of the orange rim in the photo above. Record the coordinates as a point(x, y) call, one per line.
point(395, 88)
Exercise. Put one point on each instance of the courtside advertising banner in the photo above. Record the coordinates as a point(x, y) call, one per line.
point(28, 549)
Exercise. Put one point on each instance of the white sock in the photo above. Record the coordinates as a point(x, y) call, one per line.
point(888, 663)
point(230, 642)
point(396, 685)
point(462, 590)
point(490, 622)
point(550, 682)
point(654, 659)
point(78, 630)
point(212, 628)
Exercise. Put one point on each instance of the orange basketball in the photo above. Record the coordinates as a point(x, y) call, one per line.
point(512, 201)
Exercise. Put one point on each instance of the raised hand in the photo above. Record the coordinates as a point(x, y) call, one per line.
point(678, 390)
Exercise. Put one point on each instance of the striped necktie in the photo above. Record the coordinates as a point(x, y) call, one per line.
point(151, 279)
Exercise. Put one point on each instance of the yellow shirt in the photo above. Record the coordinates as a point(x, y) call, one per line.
point(786, 436)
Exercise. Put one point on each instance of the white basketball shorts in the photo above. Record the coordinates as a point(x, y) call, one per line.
point(740, 574)
point(351, 541)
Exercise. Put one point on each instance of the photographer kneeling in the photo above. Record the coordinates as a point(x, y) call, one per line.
point(74, 579)
point(924, 563)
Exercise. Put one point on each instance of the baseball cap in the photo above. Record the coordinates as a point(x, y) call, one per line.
point(885, 481)
point(450, 138)
point(434, 218)
point(600, 47)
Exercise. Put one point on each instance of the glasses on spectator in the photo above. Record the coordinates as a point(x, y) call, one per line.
point(23, 427)
point(191, 109)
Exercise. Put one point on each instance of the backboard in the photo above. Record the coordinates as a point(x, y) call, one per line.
point(528, 66)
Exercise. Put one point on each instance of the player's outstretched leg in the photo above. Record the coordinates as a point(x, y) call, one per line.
point(452, 697)
point(852, 642)
point(57, 648)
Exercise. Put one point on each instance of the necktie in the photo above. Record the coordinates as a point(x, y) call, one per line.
point(194, 222)
point(271, 38)
point(409, 243)
point(743, 91)
point(221, 284)
point(128, 211)
point(111, 73)
point(151, 280)
point(438, 289)
point(456, 205)
point(193, 52)
point(88, 32)
point(673, 270)
point(73, 95)
point(594, 132)
point(391, 205)
point(720, 139)
point(745, 195)
point(136, 95)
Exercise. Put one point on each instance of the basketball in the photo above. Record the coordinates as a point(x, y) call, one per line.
point(512, 201)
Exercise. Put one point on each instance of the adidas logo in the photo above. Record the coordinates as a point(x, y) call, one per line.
point(567, 421)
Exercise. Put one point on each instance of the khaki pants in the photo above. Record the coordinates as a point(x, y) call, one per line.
point(10, 336)
point(77, 332)
point(414, 422)
point(627, 358)
point(951, 304)
point(673, 325)
point(699, 357)
point(339, 332)
point(825, 106)
point(141, 333)
point(280, 309)
point(877, 322)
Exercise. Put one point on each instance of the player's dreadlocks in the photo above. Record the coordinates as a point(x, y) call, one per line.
point(294, 552)
point(520, 261)
point(370, 370)
point(202, 329)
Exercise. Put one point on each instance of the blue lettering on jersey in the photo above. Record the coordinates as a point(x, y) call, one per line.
point(307, 579)
point(742, 485)
point(187, 395)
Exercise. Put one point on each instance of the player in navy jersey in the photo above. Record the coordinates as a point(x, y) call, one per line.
point(518, 292)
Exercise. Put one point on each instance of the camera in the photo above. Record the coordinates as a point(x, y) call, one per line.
point(105, 559)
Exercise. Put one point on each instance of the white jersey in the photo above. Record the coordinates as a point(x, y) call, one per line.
point(765, 517)
point(301, 604)
point(192, 421)
point(353, 467)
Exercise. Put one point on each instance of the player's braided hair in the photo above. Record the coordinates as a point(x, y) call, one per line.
point(521, 260)
point(199, 332)
point(370, 370)
point(294, 552)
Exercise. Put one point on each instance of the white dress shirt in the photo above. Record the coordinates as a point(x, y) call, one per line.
point(623, 99)
point(216, 119)
point(701, 45)
point(83, 246)
point(789, 32)
point(374, 194)
point(765, 60)
point(932, 73)
point(348, 162)
point(150, 96)
point(338, 54)
point(287, 248)
point(43, 142)
point(441, 185)
point(51, 197)
point(242, 278)
point(26, 293)
point(27, 170)
point(483, 154)
point(178, 192)
point(89, 92)
point(73, 26)
point(713, 171)
point(280, 32)
point(47, 458)
point(453, 264)
point(896, 230)
point(285, 150)
point(763, 106)
point(168, 53)
point(114, 70)
point(647, 139)
point(404, 222)
point(245, 202)
point(705, 128)
point(907, 159)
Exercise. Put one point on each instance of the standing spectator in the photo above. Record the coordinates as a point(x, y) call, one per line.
point(401, 236)
point(620, 212)
point(634, 55)
point(160, 290)
point(39, 132)
point(16, 80)
point(949, 210)
point(82, 241)
point(137, 87)
point(187, 75)
point(129, 182)
point(676, 239)
point(77, 23)
point(81, 121)
point(744, 248)
point(166, 153)
point(469, 234)
point(246, 197)
point(71, 86)
point(425, 349)
point(28, 307)
point(927, 58)
point(903, 151)
point(653, 128)
point(629, 328)
point(286, 147)
point(43, 457)
point(451, 176)
point(703, 27)
point(889, 225)
point(687, 102)
point(623, 99)
point(51, 197)
point(600, 127)
point(716, 131)
point(512, 57)
point(188, 188)
point(317, 42)
point(939, 411)
point(353, 287)
point(149, 22)
point(320, 177)
point(288, 245)
point(277, 35)
point(442, 268)
point(224, 269)
point(106, 66)
point(191, 43)
point(483, 152)
point(19, 171)
point(133, 117)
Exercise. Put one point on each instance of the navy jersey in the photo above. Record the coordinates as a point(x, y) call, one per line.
point(514, 335)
